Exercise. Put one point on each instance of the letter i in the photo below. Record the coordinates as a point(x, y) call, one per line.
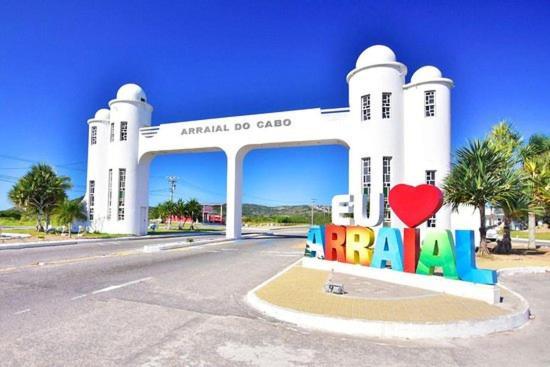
point(411, 244)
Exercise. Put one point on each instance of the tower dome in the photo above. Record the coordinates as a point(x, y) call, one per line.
point(377, 54)
point(426, 73)
point(131, 92)
point(102, 114)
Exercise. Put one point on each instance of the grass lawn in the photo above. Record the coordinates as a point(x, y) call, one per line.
point(525, 234)
point(14, 222)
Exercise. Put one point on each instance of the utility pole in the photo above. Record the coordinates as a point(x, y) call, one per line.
point(172, 180)
point(312, 205)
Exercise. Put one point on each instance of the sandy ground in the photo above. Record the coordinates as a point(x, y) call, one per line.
point(302, 289)
point(520, 258)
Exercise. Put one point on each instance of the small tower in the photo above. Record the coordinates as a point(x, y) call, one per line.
point(125, 180)
point(97, 156)
point(376, 110)
point(427, 133)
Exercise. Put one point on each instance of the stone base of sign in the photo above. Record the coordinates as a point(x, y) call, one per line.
point(480, 292)
point(296, 296)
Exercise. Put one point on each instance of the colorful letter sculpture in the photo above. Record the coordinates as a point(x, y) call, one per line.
point(359, 242)
point(466, 262)
point(389, 247)
point(438, 251)
point(315, 243)
point(335, 245)
point(414, 205)
point(411, 247)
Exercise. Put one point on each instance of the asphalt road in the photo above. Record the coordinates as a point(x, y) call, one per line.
point(110, 304)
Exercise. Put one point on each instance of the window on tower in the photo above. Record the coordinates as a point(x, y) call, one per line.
point(366, 169)
point(109, 194)
point(91, 199)
point(93, 135)
point(121, 192)
point(123, 131)
point(112, 135)
point(386, 102)
point(430, 180)
point(386, 184)
point(429, 103)
point(365, 107)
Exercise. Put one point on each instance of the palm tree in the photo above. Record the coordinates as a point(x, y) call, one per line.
point(536, 166)
point(70, 210)
point(180, 210)
point(478, 177)
point(194, 211)
point(506, 140)
point(39, 192)
point(166, 210)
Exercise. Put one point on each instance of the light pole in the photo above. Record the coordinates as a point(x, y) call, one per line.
point(172, 180)
point(312, 205)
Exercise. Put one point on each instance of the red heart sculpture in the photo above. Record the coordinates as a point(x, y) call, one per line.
point(414, 205)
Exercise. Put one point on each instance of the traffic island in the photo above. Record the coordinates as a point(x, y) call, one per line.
point(380, 309)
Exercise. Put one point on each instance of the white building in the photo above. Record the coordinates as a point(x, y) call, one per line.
point(396, 132)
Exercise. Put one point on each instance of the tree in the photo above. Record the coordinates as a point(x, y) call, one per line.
point(477, 178)
point(166, 210)
point(194, 211)
point(180, 210)
point(39, 192)
point(535, 161)
point(69, 211)
point(507, 141)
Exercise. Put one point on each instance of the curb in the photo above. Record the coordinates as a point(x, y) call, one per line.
point(23, 245)
point(524, 270)
point(185, 244)
point(389, 329)
point(178, 245)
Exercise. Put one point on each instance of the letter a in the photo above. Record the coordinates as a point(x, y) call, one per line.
point(389, 247)
point(438, 250)
point(315, 243)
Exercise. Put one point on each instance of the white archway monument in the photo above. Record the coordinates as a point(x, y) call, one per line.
point(395, 132)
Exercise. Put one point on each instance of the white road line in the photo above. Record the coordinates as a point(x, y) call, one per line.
point(229, 249)
point(22, 311)
point(78, 297)
point(113, 287)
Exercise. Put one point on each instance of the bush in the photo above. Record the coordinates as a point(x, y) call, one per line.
point(11, 214)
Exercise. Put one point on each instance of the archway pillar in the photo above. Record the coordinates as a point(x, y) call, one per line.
point(233, 222)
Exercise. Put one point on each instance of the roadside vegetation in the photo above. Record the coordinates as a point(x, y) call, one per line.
point(178, 213)
point(503, 171)
point(318, 218)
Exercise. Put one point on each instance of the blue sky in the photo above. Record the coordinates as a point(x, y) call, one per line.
point(62, 60)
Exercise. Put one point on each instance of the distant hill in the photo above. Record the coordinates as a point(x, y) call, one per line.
point(254, 210)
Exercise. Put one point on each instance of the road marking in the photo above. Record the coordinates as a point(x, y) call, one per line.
point(113, 287)
point(78, 297)
point(229, 249)
point(22, 311)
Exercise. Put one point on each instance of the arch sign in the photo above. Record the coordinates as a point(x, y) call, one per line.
point(395, 131)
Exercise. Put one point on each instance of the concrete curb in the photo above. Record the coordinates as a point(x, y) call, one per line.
point(524, 270)
point(185, 244)
point(182, 244)
point(23, 245)
point(389, 329)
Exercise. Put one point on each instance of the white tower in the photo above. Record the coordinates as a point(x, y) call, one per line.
point(125, 181)
point(427, 132)
point(97, 157)
point(376, 109)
